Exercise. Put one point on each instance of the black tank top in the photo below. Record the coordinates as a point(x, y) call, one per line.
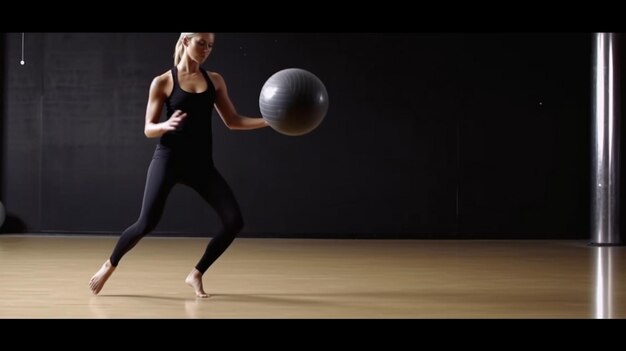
point(195, 131)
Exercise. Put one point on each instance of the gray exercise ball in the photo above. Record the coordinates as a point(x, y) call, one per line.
point(293, 101)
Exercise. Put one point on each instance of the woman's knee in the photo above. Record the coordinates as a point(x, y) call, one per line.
point(145, 226)
point(234, 224)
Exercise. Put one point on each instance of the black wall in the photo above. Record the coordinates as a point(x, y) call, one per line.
point(427, 135)
point(2, 139)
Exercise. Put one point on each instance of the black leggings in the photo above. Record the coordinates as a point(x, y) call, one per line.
point(167, 169)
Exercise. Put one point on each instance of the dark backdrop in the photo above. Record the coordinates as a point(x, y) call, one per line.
point(432, 135)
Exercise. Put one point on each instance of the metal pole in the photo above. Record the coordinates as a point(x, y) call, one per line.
point(605, 141)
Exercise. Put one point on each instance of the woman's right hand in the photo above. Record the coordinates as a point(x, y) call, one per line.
point(174, 121)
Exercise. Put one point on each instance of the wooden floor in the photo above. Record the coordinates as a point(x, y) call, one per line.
point(47, 276)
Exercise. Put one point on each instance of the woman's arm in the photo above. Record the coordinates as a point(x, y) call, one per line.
point(227, 110)
point(156, 98)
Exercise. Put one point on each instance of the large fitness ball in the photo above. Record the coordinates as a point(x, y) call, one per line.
point(293, 101)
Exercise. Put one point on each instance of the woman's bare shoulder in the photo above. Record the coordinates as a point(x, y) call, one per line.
point(163, 81)
point(215, 75)
point(163, 78)
point(216, 78)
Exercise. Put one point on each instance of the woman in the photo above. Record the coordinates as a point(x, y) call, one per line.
point(184, 153)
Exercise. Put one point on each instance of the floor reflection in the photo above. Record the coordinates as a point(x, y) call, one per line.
point(192, 308)
point(604, 281)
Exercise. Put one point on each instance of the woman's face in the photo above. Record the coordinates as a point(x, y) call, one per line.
point(199, 47)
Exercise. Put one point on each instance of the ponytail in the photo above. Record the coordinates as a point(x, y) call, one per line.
point(180, 48)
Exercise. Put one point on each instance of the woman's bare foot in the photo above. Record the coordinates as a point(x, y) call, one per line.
point(194, 279)
point(97, 281)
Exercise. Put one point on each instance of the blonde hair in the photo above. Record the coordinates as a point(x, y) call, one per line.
point(180, 48)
